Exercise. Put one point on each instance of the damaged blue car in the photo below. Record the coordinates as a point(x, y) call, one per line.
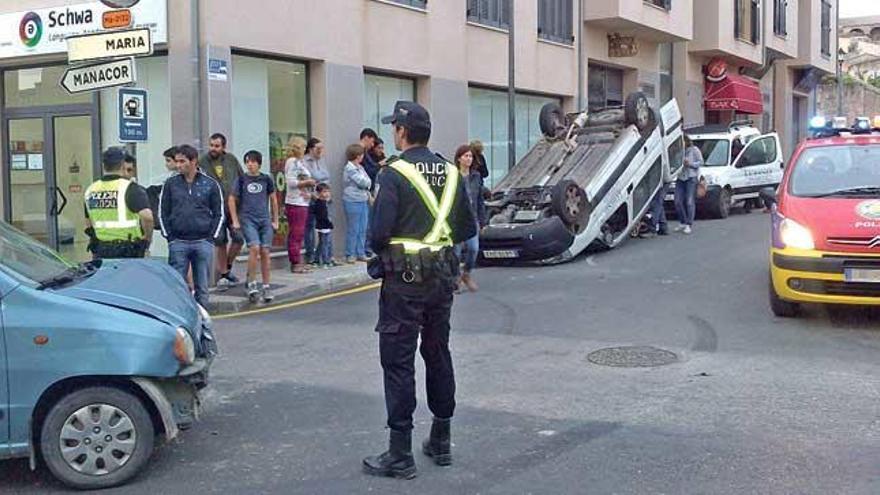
point(98, 361)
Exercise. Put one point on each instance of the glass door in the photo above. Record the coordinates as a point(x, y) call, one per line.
point(29, 191)
point(72, 150)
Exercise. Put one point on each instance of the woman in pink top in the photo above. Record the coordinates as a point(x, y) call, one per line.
point(300, 186)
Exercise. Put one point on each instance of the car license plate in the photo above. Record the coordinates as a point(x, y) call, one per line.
point(500, 254)
point(862, 275)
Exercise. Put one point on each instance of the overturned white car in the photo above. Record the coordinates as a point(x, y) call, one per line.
point(589, 180)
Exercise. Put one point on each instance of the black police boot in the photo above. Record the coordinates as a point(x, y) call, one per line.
point(439, 445)
point(397, 461)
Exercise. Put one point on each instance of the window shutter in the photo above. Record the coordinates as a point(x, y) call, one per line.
point(667, 4)
point(737, 22)
point(783, 24)
point(756, 21)
point(471, 8)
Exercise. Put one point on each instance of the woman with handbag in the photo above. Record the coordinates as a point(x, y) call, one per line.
point(686, 187)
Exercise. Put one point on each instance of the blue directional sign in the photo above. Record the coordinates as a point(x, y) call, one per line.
point(133, 115)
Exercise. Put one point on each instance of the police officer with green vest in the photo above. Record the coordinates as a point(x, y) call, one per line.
point(119, 220)
point(421, 211)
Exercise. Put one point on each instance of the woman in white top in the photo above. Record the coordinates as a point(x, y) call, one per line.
point(300, 186)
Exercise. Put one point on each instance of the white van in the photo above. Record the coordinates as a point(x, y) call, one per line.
point(739, 161)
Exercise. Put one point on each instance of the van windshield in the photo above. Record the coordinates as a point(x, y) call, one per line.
point(28, 258)
point(842, 171)
point(715, 151)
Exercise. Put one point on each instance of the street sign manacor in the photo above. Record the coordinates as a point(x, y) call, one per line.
point(110, 44)
point(98, 76)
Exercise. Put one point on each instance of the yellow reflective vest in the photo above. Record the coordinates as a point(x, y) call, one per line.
point(109, 214)
point(440, 235)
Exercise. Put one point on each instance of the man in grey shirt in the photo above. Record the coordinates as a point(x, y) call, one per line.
point(686, 187)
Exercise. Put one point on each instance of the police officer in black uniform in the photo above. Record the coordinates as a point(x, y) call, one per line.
point(421, 211)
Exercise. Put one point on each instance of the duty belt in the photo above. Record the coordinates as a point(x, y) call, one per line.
point(424, 265)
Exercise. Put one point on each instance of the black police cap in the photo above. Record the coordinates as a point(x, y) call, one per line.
point(409, 115)
point(113, 156)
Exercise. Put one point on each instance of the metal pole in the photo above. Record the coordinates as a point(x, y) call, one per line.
point(511, 89)
point(580, 55)
point(833, 36)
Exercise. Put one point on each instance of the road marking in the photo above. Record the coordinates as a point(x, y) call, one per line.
point(304, 302)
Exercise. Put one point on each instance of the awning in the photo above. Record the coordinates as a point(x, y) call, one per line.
point(736, 93)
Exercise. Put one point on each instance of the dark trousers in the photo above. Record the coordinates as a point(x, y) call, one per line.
point(309, 241)
point(405, 312)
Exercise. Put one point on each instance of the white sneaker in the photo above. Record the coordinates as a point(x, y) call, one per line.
point(687, 229)
point(680, 228)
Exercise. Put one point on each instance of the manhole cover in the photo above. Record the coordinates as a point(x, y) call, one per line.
point(632, 357)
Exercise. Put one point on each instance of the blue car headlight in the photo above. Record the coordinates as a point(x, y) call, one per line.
point(184, 348)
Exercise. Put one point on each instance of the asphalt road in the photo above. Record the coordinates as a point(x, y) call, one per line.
point(753, 404)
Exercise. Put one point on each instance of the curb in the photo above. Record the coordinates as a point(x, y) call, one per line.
point(327, 286)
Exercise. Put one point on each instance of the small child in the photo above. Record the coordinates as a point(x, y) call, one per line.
point(323, 225)
point(249, 207)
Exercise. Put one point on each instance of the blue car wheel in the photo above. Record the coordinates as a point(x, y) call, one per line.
point(97, 437)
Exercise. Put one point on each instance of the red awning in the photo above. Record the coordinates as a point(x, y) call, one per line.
point(735, 93)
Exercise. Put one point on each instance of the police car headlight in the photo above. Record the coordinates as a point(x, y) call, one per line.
point(206, 317)
point(795, 235)
point(184, 349)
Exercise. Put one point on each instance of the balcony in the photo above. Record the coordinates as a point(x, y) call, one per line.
point(715, 33)
point(817, 43)
point(645, 19)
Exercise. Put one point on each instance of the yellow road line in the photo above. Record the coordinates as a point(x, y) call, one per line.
point(304, 302)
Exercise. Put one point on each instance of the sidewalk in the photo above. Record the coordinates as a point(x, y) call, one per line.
point(289, 287)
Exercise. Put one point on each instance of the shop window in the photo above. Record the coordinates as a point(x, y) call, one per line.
point(488, 122)
point(39, 87)
point(605, 87)
point(826, 28)
point(666, 72)
point(780, 8)
point(663, 4)
point(555, 20)
point(747, 17)
point(494, 13)
point(380, 95)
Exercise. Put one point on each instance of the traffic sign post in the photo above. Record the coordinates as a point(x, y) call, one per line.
point(109, 45)
point(133, 115)
point(99, 76)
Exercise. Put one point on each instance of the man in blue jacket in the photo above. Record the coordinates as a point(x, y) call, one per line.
point(191, 217)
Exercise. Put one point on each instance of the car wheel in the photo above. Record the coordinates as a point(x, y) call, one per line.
point(570, 204)
point(638, 112)
point(780, 307)
point(720, 207)
point(97, 437)
point(551, 120)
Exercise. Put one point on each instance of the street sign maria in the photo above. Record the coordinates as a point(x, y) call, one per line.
point(109, 44)
point(99, 76)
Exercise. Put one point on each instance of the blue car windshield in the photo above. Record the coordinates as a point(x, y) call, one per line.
point(28, 258)
point(840, 171)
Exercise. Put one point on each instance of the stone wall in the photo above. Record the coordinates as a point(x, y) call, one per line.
point(859, 100)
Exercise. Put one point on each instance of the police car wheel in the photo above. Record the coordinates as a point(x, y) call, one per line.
point(97, 437)
point(781, 308)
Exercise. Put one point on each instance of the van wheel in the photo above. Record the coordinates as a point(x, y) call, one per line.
point(551, 120)
point(97, 437)
point(638, 112)
point(570, 204)
point(780, 307)
point(720, 207)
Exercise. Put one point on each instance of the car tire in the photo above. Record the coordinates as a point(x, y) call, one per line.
point(780, 307)
point(552, 120)
point(719, 206)
point(121, 417)
point(569, 202)
point(637, 111)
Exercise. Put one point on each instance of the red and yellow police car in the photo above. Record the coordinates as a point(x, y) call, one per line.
point(826, 222)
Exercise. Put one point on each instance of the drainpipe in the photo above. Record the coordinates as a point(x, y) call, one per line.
point(511, 91)
point(197, 60)
point(580, 56)
point(837, 61)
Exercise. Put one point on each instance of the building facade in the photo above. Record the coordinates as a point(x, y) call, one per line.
point(263, 73)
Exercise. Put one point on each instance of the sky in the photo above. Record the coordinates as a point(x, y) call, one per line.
point(858, 8)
